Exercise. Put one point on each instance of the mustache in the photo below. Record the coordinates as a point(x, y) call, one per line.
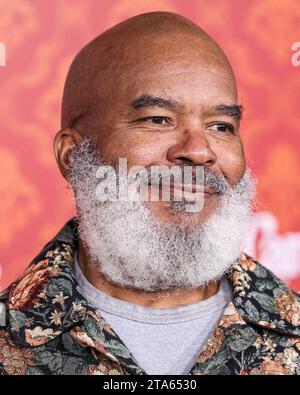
point(216, 182)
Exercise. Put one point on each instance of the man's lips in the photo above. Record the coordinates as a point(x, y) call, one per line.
point(192, 188)
point(189, 192)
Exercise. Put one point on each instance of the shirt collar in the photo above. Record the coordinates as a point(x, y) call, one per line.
point(47, 300)
point(263, 299)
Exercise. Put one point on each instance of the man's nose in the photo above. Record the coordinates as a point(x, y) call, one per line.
point(194, 148)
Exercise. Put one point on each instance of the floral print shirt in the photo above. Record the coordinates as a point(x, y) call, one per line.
point(47, 326)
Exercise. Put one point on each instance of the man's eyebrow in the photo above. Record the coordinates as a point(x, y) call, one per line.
point(146, 101)
point(153, 101)
point(232, 110)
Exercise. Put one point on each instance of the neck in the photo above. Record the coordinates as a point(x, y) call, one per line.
point(160, 299)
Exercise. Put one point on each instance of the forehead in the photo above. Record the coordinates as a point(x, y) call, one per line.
point(115, 69)
point(189, 71)
point(189, 83)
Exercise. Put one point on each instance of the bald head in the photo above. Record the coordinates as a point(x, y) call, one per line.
point(103, 70)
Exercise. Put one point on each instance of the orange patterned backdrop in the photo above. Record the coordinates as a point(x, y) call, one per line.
point(41, 37)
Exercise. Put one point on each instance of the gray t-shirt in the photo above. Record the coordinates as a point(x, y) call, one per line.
point(163, 341)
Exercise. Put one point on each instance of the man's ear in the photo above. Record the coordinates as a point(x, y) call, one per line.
point(64, 141)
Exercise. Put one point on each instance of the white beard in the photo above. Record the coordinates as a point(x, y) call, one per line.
point(133, 249)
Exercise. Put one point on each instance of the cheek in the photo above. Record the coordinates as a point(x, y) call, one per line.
point(138, 149)
point(231, 161)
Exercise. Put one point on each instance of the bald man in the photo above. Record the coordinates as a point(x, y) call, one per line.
point(151, 286)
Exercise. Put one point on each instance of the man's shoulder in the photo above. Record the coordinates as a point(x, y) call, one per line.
point(41, 305)
point(35, 333)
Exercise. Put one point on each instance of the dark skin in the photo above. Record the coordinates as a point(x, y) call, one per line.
point(168, 98)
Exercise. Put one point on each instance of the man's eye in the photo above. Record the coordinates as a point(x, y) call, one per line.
point(157, 120)
point(222, 128)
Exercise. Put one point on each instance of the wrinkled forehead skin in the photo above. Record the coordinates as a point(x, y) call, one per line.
point(136, 55)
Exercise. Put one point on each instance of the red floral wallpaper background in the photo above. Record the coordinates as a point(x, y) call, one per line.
point(41, 38)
